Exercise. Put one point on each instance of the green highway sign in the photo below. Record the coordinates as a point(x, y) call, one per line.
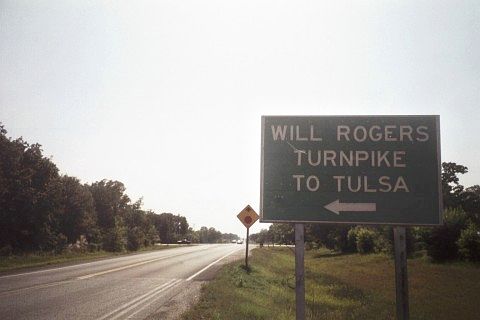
point(351, 169)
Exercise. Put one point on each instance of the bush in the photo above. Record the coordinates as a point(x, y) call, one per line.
point(384, 243)
point(6, 250)
point(469, 243)
point(135, 238)
point(151, 236)
point(352, 238)
point(338, 239)
point(93, 247)
point(421, 236)
point(80, 246)
point(49, 240)
point(308, 245)
point(55, 243)
point(115, 239)
point(442, 242)
point(365, 239)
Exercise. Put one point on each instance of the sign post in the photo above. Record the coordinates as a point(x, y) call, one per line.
point(377, 170)
point(401, 278)
point(246, 248)
point(299, 272)
point(248, 217)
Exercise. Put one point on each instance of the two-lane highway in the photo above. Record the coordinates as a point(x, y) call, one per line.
point(128, 287)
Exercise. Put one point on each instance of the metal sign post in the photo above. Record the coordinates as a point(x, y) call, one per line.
point(299, 272)
point(401, 277)
point(248, 217)
point(246, 250)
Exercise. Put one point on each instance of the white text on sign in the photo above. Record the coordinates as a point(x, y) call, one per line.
point(352, 158)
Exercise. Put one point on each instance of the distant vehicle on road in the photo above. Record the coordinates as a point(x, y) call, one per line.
point(239, 241)
point(184, 241)
point(234, 241)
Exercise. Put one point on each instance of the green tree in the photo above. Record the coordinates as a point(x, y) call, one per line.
point(110, 202)
point(165, 227)
point(264, 236)
point(451, 187)
point(29, 197)
point(229, 237)
point(283, 233)
point(333, 237)
point(40, 210)
point(78, 211)
point(209, 235)
point(111, 205)
point(469, 243)
point(140, 227)
point(442, 241)
point(151, 235)
point(471, 203)
point(115, 238)
point(135, 238)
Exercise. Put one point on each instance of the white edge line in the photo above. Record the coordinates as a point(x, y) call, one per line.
point(145, 300)
point(211, 264)
point(137, 299)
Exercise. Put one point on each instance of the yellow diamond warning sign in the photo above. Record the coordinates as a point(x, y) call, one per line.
point(248, 216)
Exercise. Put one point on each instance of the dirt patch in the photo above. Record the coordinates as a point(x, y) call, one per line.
point(183, 298)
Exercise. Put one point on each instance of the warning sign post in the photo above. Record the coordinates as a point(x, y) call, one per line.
point(248, 217)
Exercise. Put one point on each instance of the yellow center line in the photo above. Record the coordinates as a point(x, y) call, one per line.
point(136, 264)
point(39, 286)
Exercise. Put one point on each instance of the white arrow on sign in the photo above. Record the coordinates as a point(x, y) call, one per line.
point(336, 206)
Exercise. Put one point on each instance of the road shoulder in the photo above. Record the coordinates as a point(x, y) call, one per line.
point(188, 295)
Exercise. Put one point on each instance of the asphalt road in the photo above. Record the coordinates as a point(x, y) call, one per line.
point(128, 287)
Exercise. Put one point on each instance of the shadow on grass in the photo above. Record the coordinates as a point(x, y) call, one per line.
point(330, 297)
point(324, 255)
point(335, 287)
point(247, 269)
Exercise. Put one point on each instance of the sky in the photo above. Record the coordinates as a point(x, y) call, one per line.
point(167, 96)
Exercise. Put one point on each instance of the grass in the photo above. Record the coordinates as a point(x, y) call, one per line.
point(338, 287)
point(40, 259)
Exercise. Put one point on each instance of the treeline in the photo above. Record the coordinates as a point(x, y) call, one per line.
point(210, 235)
point(41, 210)
point(457, 238)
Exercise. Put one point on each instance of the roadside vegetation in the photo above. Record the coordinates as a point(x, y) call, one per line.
point(338, 286)
point(46, 216)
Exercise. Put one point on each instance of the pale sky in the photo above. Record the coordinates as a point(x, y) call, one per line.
point(166, 96)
